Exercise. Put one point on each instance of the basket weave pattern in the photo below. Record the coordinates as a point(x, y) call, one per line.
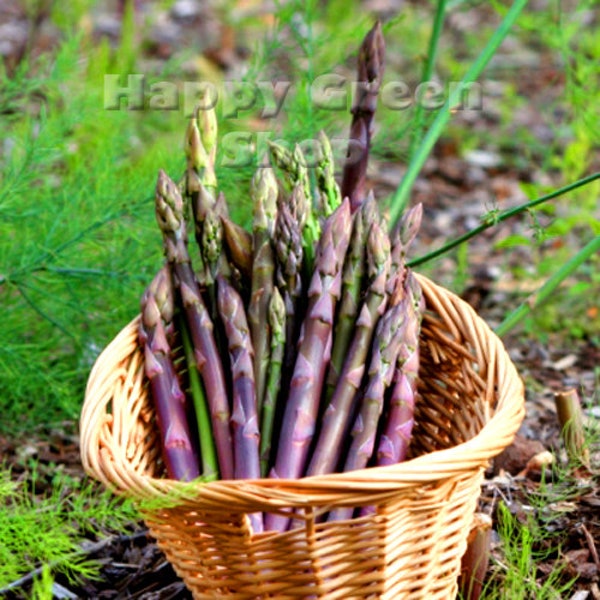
point(470, 406)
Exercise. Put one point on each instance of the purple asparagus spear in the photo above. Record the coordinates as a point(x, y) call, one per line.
point(386, 346)
point(337, 417)
point(370, 74)
point(169, 214)
point(244, 418)
point(299, 420)
point(395, 436)
point(169, 400)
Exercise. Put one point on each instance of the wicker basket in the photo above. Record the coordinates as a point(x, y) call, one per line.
point(470, 407)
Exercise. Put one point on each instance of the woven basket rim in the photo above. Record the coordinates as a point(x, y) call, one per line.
point(429, 468)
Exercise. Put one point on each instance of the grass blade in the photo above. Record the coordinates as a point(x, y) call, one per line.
point(401, 195)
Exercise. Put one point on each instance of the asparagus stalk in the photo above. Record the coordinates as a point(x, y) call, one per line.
point(292, 165)
point(409, 226)
point(339, 412)
point(264, 194)
point(277, 320)
point(210, 465)
point(295, 172)
point(200, 151)
point(201, 184)
point(329, 191)
point(386, 346)
point(169, 214)
point(288, 249)
point(570, 419)
point(157, 314)
point(352, 287)
point(244, 418)
point(370, 74)
point(395, 436)
point(238, 245)
point(402, 236)
point(299, 419)
point(208, 127)
point(289, 255)
point(211, 243)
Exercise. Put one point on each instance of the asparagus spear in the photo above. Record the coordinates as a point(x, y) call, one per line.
point(157, 314)
point(294, 169)
point(277, 320)
point(395, 436)
point(169, 214)
point(292, 165)
point(299, 419)
point(264, 195)
point(211, 243)
point(329, 191)
point(386, 346)
point(201, 183)
point(288, 246)
point(208, 127)
point(370, 74)
point(402, 237)
point(244, 418)
point(289, 255)
point(352, 287)
point(238, 245)
point(200, 151)
point(409, 224)
point(210, 464)
point(335, 422)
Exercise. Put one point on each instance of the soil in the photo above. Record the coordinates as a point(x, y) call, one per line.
point(453, 189)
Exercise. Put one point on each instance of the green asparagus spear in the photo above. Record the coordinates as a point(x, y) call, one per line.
point(277, 320)
point(157, 313)
point(264, 194)
point(201, 147)
point(169, 215)
point(208, 456)
point(200, 168)
point(238, 245)
point(329, 191)
point(292, 165)
point(208, 126)
point(295, 172)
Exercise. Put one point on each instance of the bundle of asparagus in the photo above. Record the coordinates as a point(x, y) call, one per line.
point(290, 350)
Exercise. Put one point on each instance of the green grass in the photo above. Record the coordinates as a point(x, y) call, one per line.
point(77, 227)
point(49, 529)
point(525, 544)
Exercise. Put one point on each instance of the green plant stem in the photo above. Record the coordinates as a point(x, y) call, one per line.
point(400, 197)
point(427, 73)
point(498, 218)
point(572, 431)
point(539, 297)
point(206, 442)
